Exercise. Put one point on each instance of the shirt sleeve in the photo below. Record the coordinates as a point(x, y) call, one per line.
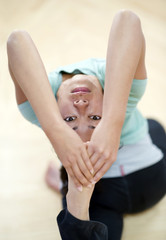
point(28, 113)
point(137, 90)
point(26, 109)
point(72, 228)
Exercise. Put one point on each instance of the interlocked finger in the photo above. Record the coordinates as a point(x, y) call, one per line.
point(75, 180)
point(87, 164)
point(101, 172)
point(94, 158)
point(80, 175)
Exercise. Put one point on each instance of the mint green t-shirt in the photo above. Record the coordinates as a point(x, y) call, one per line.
point(135, 126)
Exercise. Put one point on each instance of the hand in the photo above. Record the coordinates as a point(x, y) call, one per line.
point(103, 148)
point(73, 154)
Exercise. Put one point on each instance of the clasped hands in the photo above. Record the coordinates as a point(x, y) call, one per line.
point(86, 163)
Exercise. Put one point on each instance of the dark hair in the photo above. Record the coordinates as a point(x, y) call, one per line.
point(64, 178)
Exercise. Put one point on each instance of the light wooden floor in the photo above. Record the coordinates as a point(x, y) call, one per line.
point(66, 31)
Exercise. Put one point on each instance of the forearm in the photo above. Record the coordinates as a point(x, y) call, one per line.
point(125, 60)
point(123, 54)
point(28, 69)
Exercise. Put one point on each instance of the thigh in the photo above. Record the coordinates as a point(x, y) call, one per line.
point(112, 219)
point(158, 134)
point(108, 203)
point(147, 186)
point(111, 193)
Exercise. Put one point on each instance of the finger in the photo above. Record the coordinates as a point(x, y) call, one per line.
point(90, 149)
point(85, 171)
point(76, 182)
point(101, 172)
point(99, 164)
point(94, 158)
point(80, 176)
point(88, 163)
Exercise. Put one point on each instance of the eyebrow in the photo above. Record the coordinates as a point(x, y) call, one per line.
point(90, 126)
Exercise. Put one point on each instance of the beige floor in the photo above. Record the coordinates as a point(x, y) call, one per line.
point(66, 31)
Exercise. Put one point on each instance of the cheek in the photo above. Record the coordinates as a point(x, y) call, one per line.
point(62, 106)
point(99, 103)
point(65, 107)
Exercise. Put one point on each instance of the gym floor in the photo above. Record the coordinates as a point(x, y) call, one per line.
point(65, 32)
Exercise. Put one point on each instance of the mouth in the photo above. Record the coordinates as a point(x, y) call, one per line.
point(81, 90)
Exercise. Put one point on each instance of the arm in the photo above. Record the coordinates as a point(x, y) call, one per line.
point(74, 221)
point(125, 60)
point(29, 76)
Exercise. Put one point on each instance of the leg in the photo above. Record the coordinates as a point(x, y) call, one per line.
point(158, 134)
point(78, 202)
point(112, 219)
point(52, 177)
point(108, 204)
point(74, 221)
point(147, 186)
point(57, 179)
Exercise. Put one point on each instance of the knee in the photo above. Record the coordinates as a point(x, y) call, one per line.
point(155, 125)
point(15, 38)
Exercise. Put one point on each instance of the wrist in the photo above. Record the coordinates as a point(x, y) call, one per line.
point(54, 129)
point(113, 121)
point(114, 113)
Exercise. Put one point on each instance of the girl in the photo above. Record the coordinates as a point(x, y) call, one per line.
point(89, 112)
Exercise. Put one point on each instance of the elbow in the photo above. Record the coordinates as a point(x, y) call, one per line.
point(128, 16)
point(15, 39)
point(129, 22)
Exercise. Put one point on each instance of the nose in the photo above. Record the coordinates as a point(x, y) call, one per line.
point(81, 103)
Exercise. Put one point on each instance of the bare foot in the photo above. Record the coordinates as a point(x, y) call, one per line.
point(52, 177)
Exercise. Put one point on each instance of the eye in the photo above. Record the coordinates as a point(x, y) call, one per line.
point(69, 119)
point(95, 117)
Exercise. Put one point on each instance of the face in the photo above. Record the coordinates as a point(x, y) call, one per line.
point(80, 101)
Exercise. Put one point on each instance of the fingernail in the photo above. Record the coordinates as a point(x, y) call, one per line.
point(93, 182)
point(79, 188)
point(89, 186)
